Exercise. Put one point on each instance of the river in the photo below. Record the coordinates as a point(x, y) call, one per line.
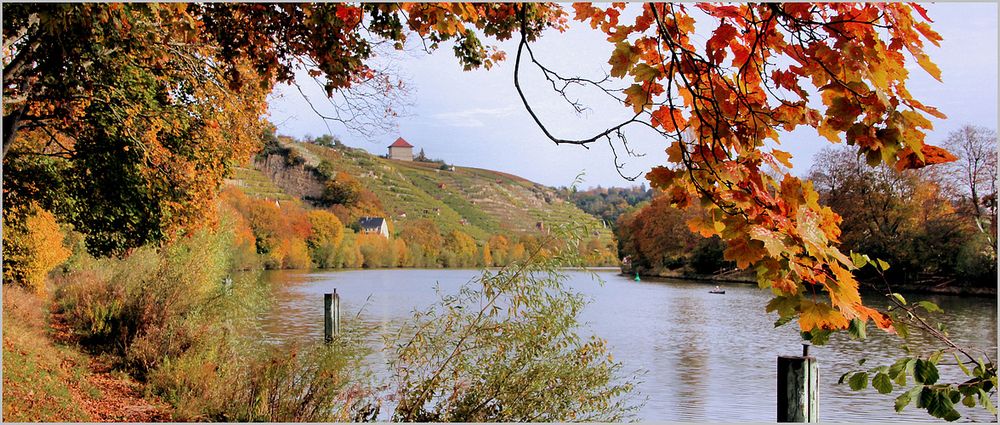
point(703, 357)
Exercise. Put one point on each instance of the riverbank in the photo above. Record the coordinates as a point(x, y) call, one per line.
point(948, 287)
point(48, 378)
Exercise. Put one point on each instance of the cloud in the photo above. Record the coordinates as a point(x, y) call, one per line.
point(472, 117)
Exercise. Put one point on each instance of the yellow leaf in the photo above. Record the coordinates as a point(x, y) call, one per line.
point(927, 65)
point(783, 157)
point(772, 241)
point(820, 315)
point(827, 130)
point(622, 59)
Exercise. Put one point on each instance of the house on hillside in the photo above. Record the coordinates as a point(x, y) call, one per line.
point(374, 225)
point(401, 150)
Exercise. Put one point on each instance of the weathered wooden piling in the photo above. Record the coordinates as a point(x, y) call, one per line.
point(331, 316)
point(798, 384)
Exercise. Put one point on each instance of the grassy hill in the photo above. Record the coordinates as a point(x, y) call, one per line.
point(476, 201)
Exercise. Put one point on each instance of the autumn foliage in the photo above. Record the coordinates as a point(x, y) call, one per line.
point(32, 247)
point(720, 103)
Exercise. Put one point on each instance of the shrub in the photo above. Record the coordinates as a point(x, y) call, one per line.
point(506, 349)
point(236, 378)
point(349, 256)
point(150, 305)
point(327, 234)
point(32, 247)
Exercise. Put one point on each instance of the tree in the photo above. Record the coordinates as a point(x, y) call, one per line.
point(460, 249)
point(33, 246)
point(135, 112)
point(899, 216)
point(424, 240)
point(720, 104)
point(324, 240)
point(506, 348)
point(975, 172)
point(343, 189)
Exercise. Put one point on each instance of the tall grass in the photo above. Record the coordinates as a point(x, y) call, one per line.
point(175, 317)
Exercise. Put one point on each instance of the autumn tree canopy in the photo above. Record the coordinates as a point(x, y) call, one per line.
point(124, 118)
point(133, 112)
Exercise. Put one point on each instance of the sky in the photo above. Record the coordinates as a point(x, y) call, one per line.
point(475, 118)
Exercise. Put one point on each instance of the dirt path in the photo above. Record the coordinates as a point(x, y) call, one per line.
point(104, 394)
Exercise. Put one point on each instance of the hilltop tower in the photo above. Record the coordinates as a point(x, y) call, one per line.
point(401, 150)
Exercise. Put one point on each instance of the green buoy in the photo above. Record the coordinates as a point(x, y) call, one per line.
point(637, 277)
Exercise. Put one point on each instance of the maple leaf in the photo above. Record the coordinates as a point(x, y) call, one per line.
point(675, 152)
point(908, 159)
point(744, 252)
point(814, 315)
point(670, 119)
point(715, 47)
point(772, 240)
point(783, 157)
point(636, 97)
point(622, 59)
point(661, 177)
point(810, 232)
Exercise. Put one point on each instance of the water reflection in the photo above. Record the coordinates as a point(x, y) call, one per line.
point(706, 357)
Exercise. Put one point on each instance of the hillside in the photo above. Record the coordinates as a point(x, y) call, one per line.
point(478, 202)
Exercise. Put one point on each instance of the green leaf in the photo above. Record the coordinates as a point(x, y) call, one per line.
point(843, 378)
point(882, 383)
point(901, 329)
point(935, 357)
point(984, 399)
point(862, 361)
point(858, 259)
point(961, 365)
point(883, 265)
point(904, 399)
point(939, 405)
point(858, 381)
point(969, 401)
point(858, 328)
point(899, 297)
point(898, 367)
point(925, 372)
point(783, 320)
point(930, 307)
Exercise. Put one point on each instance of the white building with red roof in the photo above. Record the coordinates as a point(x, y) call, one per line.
point(401, 150)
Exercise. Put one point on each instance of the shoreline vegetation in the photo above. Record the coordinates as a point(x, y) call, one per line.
point(170, 333)
point(946, 288)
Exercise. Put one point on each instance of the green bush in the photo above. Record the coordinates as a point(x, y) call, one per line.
point(153, 303)
point(506, 349)
point(244, 380)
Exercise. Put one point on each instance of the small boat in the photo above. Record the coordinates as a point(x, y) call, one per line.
point(717, 292)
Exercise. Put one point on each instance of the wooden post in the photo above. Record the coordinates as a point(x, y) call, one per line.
point(327, 318)
point(336, 312)
point(798, 382)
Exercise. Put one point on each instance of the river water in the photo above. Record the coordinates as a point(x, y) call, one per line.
point(701, 357)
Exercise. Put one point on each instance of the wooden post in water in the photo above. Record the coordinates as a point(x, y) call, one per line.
point(327, 318)
point(798, 382)
point(331, 316)
point(336, 312)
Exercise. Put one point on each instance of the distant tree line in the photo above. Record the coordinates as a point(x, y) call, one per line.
point(607, 203)
point(934, 226)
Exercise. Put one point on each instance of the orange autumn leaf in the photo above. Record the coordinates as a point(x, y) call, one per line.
point(909, 160)
point(744, 252)
point(820, 316)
